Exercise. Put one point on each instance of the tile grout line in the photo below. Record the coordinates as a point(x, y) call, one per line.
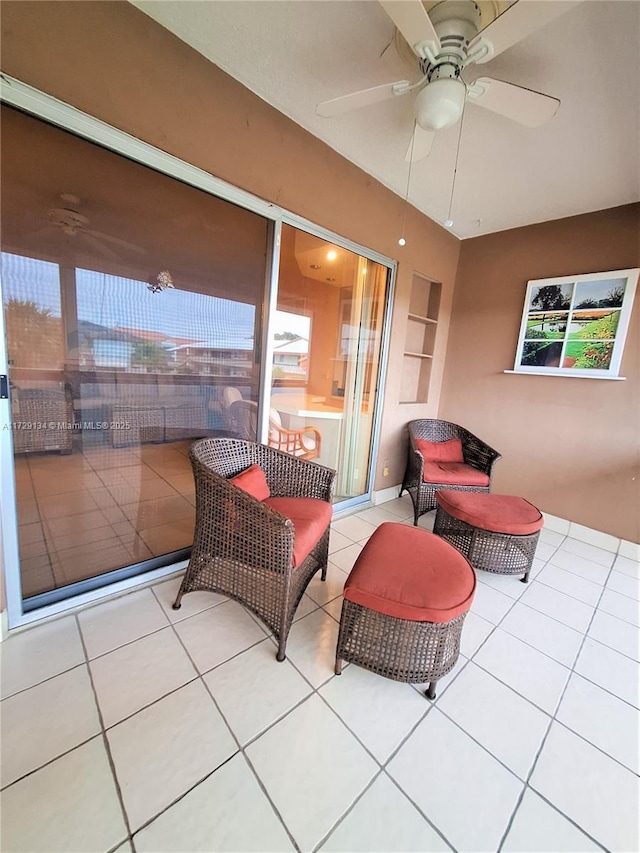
point(546, 736)
point(316, 690)
point(105, 739)
point(571, 669)
point(52, 760)
point(240, 749)
point(337, 823)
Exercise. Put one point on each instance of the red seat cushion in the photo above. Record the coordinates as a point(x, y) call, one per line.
point(411, 574)
point(454, 474)
point(496, 513)
point(310, 517)
point(440, 451)
point(253, 481)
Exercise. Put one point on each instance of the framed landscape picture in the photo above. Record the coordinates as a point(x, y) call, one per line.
point(576, 325)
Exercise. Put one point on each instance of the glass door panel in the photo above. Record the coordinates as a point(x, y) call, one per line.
point(327, 345)
point(133, 311)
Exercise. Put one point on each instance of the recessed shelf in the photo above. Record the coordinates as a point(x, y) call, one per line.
point(419, 319)
point(420, 340)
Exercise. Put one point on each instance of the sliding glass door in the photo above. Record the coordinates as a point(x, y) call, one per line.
point(135, 301)
point(327, 344)
point(132, 303)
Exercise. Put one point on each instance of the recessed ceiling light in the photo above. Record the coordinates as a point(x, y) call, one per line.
point(332, 255)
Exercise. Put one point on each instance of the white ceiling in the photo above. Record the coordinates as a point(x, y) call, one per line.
point(296, 53)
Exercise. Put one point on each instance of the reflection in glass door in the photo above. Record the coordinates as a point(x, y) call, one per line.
point(327, 347)
point(132, 306)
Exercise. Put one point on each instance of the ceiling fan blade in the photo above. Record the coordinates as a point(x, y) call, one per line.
point(338, 106)
point(98, 245)
point(411, 18)
point(419, 145)
point(116, 240)
point(515, 102)
point(520, 20)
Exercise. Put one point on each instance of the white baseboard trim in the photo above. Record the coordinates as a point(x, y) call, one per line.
point(606, 541)
point(559, 525)
point(4, 626)
point(631, 550)
point(385, 495)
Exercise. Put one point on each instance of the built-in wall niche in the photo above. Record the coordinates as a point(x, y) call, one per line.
point(420, 340)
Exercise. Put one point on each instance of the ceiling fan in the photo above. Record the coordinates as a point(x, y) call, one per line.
point(445, 40)
point(71, 222)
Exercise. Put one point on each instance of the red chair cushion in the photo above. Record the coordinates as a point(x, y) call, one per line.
point(440, 451)
point(496, 513)
point(408, 573)
point(454, 474)
point(253, 481)
point(310, 517)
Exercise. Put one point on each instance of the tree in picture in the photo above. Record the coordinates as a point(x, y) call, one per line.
point(34, 335)
point(149, 355)
point(553, 297)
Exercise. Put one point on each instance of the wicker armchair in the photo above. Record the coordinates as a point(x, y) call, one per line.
point(244, 547)
point(305, 443)
point(473, 475)
point(45, 420)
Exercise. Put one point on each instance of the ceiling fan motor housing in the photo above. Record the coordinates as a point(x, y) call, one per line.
point(440, 103)
point(70, 221)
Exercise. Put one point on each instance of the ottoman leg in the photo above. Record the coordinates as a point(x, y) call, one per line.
point(338, 666)
point(430, 692)
point(525, 579)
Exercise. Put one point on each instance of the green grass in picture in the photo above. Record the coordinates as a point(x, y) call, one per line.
point(546, 325)
point(532, 333)
point(582, 355)
point(594, 327)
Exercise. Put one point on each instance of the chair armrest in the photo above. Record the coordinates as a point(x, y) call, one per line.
point(478, 454)
point(415, 465)
point(291, 477)
point(290, 440)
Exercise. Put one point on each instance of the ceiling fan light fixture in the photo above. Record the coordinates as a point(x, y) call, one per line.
point(440, 103)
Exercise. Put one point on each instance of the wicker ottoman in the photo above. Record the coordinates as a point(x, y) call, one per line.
point(497, 533)
point(404, 604)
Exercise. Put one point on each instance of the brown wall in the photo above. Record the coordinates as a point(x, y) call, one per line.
point(569, 445)
point(115, 63)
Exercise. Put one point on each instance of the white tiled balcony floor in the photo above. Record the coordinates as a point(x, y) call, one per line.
point(130, 726)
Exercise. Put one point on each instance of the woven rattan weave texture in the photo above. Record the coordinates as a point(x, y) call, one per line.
point(403, 650)
point(475, 453)
point(45, 417)
point(500, 553)
point(243, 548)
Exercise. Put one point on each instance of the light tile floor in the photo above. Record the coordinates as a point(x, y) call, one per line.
point(99, 509)
point(132, 727)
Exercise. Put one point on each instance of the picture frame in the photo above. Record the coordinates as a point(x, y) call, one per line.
point(576, 325)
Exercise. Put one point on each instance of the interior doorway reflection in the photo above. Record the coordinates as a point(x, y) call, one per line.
point(327, 347)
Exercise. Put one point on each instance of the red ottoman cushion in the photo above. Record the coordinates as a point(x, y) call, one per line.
point(497, 513)
point(310, 518)
point(411, 574)
point(454, 474)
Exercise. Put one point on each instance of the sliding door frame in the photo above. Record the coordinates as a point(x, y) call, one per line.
point(38, 104)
